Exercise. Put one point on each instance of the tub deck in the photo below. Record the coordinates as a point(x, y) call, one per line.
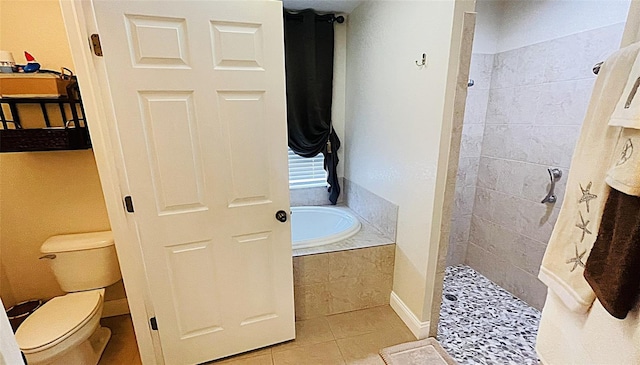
point(368, 236)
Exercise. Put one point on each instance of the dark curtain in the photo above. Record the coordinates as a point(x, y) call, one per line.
point(308, 44)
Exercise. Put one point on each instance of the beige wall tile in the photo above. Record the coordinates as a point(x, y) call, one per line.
point(343, 281)
point(492, 237)
point(311, 300)
point(361, 262)
point(552, 145)
point(380, 212)
point(482, 206)
point(460, 228)
point(537, 99)
point(487, 173)
point(514, 105)
point(471, 142)
point(456, 253)
point(572, 57)
point(314, 196)
point(539, 220)
point(563, 103)
point(476, 105)
point(480, 71)
point(359, 292)
point(467, 173)
point(463, 201)
point(524, 286)
point(487, 264)
point(528, 254)
point(310, 269)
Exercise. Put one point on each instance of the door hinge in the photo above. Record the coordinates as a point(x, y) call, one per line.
point(128, 204)
point(154, 323)
point(95, 45)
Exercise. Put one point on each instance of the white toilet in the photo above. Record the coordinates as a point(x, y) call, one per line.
point(66, 330)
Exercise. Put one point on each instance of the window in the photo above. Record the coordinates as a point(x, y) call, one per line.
point(306, 172)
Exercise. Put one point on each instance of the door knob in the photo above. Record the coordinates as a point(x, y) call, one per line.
point(281, 215)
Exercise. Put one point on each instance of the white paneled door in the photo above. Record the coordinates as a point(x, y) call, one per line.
point(198, 93)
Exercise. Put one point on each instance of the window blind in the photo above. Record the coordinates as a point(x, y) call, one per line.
point(306, 172)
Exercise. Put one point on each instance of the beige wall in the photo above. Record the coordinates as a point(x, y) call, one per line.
point(41, 193)
point(395, 113)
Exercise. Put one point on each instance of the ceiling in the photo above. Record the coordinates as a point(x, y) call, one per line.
point(329, 6)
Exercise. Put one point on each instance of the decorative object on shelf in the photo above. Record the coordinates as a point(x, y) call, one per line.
point(7, 63)
point(32, 65)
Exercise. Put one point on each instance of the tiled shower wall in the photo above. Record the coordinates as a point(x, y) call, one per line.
point(536, 104)
point(470, 147)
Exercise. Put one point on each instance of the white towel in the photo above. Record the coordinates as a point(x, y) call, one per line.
point(627, 111)
point(624, 175)
point(575, 231)
point(594, 338)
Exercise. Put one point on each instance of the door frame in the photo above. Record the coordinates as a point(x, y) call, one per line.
point(80, 23)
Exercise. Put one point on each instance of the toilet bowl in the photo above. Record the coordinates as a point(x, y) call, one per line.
point(66, 330)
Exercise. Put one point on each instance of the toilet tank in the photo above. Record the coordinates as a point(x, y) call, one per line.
point(82, 261)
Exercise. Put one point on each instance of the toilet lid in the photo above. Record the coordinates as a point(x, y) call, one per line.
point(57, 318)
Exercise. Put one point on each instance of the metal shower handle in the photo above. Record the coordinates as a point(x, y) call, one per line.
point(555, 175)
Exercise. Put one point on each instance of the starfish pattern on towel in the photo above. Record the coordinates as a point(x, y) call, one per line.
point(577, 260)
point(627, 151)
point(586, 195)
point(583, 226)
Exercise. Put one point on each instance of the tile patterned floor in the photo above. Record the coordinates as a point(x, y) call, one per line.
point(486, 324)
point(352, 338)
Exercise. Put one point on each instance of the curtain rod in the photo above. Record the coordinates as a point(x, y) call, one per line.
point(333, 19)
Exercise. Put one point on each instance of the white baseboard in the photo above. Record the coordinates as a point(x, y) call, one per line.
point(116, 307)
point(418, 328)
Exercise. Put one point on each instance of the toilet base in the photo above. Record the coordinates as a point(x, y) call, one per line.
point(88, 352)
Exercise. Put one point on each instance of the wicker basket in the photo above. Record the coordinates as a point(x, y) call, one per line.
point(46, 139)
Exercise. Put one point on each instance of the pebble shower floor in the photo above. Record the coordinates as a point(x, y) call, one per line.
point(485, 324)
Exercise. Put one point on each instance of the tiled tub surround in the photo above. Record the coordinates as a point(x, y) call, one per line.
point(343, 281)
point(470, 147)
point(352, 274)
point(485, 324)
point(536, 105)
point(379, 212)
point(314, 196)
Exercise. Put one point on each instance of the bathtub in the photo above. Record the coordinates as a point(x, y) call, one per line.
point(317, 226)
